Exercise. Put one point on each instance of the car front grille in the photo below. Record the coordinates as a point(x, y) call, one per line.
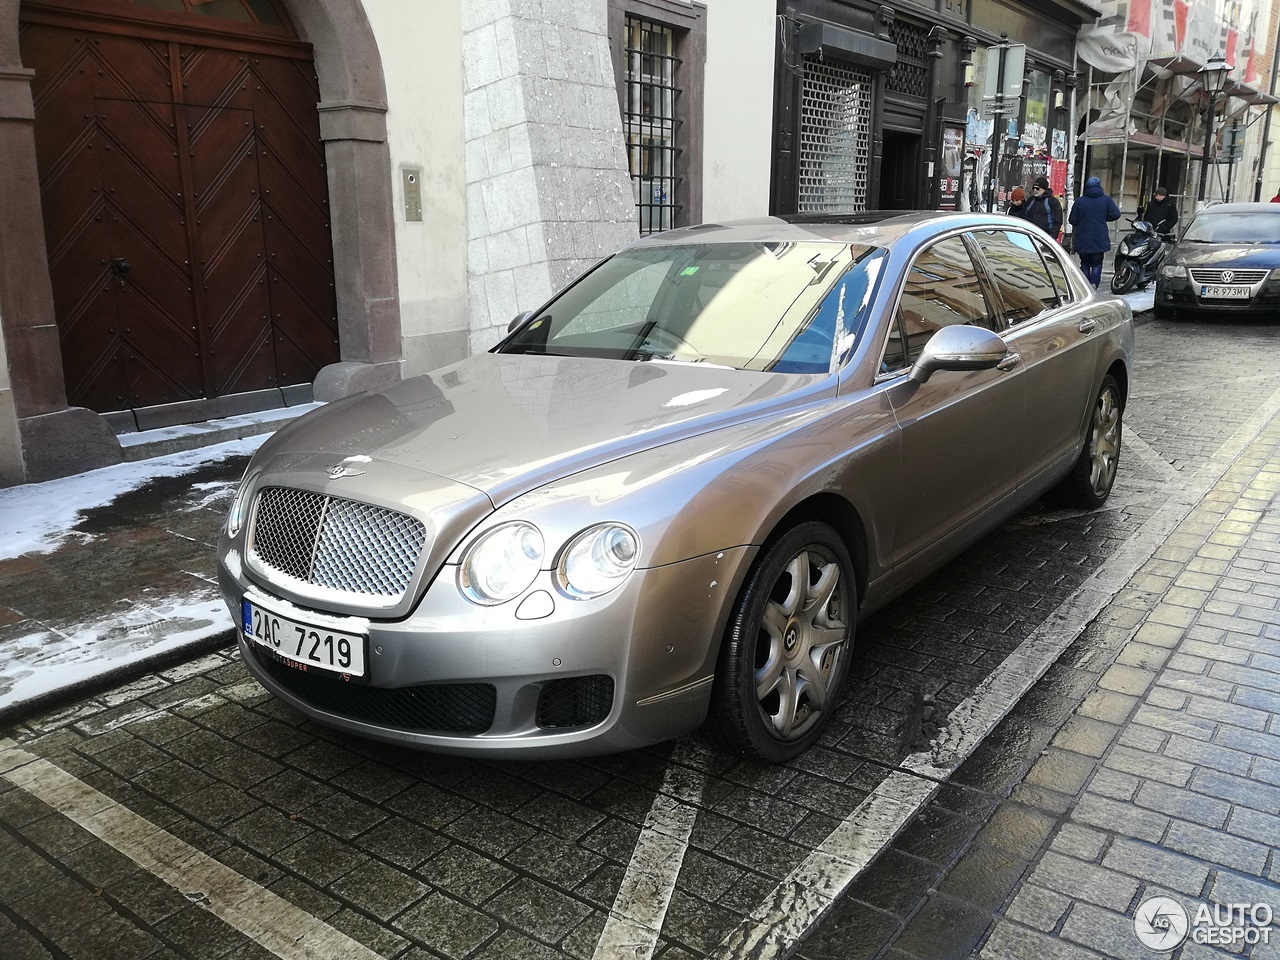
point(1238, 276)
point(575, 701)
point(338, 544)
point(426, 708)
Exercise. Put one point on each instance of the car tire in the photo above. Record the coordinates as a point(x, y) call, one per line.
point(1125, 277)
point(1091, 478)
point(790, 635)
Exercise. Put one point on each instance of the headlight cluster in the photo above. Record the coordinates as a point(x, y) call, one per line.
point(1173, 272)
point(239, 511)
point(500, 564)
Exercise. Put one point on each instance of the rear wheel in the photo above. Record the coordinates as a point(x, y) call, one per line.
point(786, 652)
point(1090, 480)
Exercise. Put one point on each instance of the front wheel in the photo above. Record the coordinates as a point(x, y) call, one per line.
point(1125, 277)
point(786, 651)
point(1090, 480)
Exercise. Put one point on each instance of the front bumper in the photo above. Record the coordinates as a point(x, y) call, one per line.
point(624, 670)
point(1183, 294)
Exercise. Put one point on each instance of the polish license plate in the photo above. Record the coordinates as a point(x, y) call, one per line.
point(1220, 291)
point(304, 644)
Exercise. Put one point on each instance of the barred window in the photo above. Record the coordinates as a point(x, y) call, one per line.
point(835, 138)
point(650, 122)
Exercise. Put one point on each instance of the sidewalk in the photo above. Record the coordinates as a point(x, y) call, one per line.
point(110, 573)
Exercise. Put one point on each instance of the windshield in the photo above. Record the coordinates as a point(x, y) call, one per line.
point(786, 307)
point(1224, 227)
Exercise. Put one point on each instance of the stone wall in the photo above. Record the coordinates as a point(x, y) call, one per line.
point(548, 191)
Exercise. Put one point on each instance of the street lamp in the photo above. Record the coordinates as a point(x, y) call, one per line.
point(1213, 77)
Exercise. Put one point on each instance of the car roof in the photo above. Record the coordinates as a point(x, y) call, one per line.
point(872, 228)
point(1240, 208)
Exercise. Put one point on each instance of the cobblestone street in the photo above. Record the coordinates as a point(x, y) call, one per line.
point(1079, 713)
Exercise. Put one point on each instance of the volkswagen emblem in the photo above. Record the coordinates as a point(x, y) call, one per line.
point(1228, 276)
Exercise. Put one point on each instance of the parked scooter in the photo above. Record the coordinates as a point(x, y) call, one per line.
point(1138, 258)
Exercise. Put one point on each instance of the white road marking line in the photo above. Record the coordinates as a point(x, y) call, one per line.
point(639, 909)
point(259, 914)
point(800, 901)
point(806, 895)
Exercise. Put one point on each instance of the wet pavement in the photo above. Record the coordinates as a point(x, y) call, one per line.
point(188, 814)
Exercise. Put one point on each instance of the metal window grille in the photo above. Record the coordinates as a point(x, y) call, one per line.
point(910, 75)
point(650, 123)
point(835, 138)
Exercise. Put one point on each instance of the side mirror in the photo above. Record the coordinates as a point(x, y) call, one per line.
point(959, 347)
point(518, 320)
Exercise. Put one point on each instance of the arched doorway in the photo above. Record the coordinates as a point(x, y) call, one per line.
point(185, 198)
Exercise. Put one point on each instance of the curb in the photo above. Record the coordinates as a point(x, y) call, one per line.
point(114, 676)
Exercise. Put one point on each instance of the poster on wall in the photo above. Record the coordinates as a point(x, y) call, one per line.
point(1058, 177)
point(949, 173)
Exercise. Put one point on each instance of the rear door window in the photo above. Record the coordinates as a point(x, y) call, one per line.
point(1019, 274)
point(1056, 270)
point(942, 288)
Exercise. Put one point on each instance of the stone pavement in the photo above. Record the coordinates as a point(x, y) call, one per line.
point(1146, 762)
point(1175, 756)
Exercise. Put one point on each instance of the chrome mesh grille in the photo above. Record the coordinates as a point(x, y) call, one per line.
point(335, 543)
point(1238, 276)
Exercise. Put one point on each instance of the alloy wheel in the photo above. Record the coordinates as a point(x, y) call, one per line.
point(1104, 441)
point(802, 637)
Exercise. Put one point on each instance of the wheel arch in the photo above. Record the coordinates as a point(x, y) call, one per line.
point(1121, 374)
point(839, 514)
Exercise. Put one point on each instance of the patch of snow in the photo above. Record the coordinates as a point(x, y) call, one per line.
point(40, 516)
point(47, 660)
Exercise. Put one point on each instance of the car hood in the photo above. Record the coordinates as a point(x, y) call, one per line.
point(507, 423)
point(1223, 255)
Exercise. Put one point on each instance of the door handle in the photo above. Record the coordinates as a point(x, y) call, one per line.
point(1011, 360)
point(1087, 325)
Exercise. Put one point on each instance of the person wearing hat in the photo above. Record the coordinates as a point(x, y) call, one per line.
point(1089, 216)
point(1161, 212)
point(1044, 209)
point(1017, 203)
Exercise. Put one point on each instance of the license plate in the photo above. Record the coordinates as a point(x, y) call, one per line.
point(1220, 291)
point(304, 644)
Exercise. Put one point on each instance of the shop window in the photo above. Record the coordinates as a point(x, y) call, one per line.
point(835, 138)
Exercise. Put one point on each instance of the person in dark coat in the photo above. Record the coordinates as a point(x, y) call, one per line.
point(1018, 203)
point(1161, 212)
point(1044, 209)
point(1089, 216)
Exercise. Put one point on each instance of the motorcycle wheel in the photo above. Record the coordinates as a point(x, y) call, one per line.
point(1124, 278)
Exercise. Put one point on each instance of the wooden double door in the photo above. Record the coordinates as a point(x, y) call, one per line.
point(186, 212)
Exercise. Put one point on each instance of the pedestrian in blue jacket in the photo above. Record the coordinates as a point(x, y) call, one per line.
point(1090, 215)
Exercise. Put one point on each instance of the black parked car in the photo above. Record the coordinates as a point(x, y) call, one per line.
point(1227, 261)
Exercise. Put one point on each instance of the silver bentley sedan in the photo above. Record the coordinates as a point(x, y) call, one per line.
point(664, 501)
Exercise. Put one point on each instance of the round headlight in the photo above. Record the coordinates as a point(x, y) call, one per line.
point(598, 559)
point(1172, 271)
point(501, 563)
point(239, 506)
